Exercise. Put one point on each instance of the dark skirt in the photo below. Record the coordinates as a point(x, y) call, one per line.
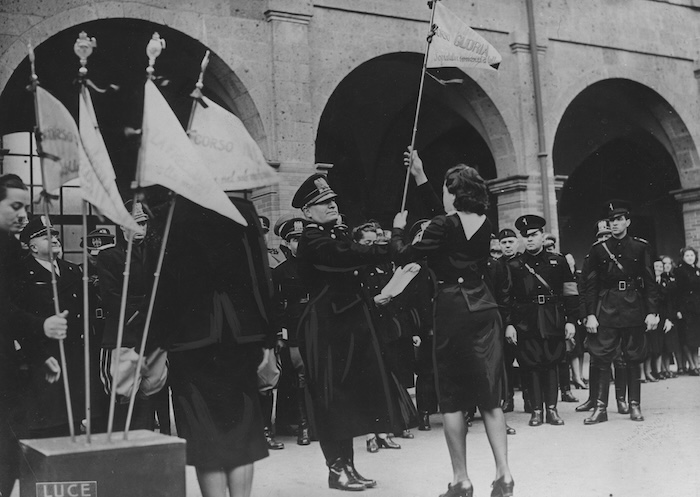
point(468, 354)
point(655, 340)
point(215, 399)
point(690, 330)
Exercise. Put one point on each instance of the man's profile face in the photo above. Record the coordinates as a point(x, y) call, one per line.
point(322, 213)
point(13, 210)
point(41, 247)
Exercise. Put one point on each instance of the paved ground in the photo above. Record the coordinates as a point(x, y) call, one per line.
point(657, 458)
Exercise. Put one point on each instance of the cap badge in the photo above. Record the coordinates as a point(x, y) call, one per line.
point(321, 185)
point(298, 226)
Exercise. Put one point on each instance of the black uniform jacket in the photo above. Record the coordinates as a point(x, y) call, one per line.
point(15, 324)
point(688, 288)
point(538, 310)
point(46, 401)
point(347, 379)
point(110, 271)
point(620, 298)
point(216, 285)
point(292, 296)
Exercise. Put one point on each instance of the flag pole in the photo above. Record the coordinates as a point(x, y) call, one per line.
point(83, 49)
point(196, 97)
point(153, 49)
point(429, 40)
point(45, 200)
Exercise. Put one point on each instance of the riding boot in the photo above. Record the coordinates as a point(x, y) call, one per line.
point(635, 392)
point(600, 413)
point(303, 430)
point(621, 382)
point(550, 397)
point(536, 398)
point(592, 392)
point(266, 406)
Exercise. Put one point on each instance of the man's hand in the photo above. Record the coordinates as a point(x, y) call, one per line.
point(400, 220)
point(679, 315)
point(592, 324)
point(652, 321)
point(667, 326)
point(410, 158)
point(416, 341)
point(511, 334)
point(380, 299)
point(56, 326)
point(569, 331)
point(53, 370)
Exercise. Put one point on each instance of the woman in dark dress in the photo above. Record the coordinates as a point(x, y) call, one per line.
point(350, 390)
point(688, 284)
point(468, 322)
point(671, 341)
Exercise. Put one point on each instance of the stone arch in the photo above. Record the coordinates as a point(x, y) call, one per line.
point(619, 138)
point(367, 123)
point(232, 78)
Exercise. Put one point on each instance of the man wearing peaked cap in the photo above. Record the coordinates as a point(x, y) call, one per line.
point(621, 304)
point(545, 308)
point(293, 296)
point(34, 229)
point(350, 392)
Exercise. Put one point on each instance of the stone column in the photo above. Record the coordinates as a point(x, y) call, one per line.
point(292, 134)
point(690, 199)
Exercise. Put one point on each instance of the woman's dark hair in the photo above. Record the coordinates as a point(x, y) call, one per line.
point(10, 181)
point(358, 232)
point(469, 189)
point(686, 249)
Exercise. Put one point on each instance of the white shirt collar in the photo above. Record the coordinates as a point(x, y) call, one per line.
point(46, 265)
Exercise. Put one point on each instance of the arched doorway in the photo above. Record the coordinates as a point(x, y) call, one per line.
point(367, 125)
point(119, 59)
point(613, 142)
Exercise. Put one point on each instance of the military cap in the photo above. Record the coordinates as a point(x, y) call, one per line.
point(34, 229)
point(602, 227)
point(617, 207)
point(529, 222)
point(314, 190)
point(139, 212)
point(99, 239)
point(292, 227)
point(265, 223)
point(506, 233)
point(549, 240)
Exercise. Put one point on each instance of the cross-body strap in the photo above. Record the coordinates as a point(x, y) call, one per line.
point(540, 278)
point(614, 259)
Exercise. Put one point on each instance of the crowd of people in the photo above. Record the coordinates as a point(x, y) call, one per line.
point(340, 322)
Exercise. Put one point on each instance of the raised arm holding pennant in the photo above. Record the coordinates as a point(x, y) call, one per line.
point(450, 43)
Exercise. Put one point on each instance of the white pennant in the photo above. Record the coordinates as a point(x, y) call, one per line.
point(168, 158)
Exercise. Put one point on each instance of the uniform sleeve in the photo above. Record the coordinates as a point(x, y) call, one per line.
point(590, 278)
point(280, 299)
point(570, 292)
point(433, 239)
point(317, 246)
point(502, 286)
point(650, 288)
point(109, 271)
point(430, 200)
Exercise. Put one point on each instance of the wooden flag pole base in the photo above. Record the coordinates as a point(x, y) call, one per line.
point(148, 464)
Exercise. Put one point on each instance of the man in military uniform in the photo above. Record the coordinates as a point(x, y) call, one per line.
point(621, 303)
point(545, 308)
point(275, 256)
point(46, 402)
point(508, 242)
point(292, 297)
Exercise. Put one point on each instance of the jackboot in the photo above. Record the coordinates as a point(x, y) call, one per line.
point(303, 430)
point(592, 392)
point(424, 421)
point(340, 479)
point(635, 389)
point(266, 405)
point(600, 413)
point(621, 382)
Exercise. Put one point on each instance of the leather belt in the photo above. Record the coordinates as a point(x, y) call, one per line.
point(538, 299)
point(622, 285)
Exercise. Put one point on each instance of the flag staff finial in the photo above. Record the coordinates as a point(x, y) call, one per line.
point(153, 50)
point(83, 49)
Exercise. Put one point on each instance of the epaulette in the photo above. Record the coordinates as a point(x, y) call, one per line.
point(313, 225)
point(640, 240)
point(557, 253)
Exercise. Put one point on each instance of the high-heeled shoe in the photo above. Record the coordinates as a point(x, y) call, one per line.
point(372, 446)
point(694, 372)
point(651, 378)
point(458, 490)
point(501, 488)
point(406, 434)
point(387, 443)
point(579, 385)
